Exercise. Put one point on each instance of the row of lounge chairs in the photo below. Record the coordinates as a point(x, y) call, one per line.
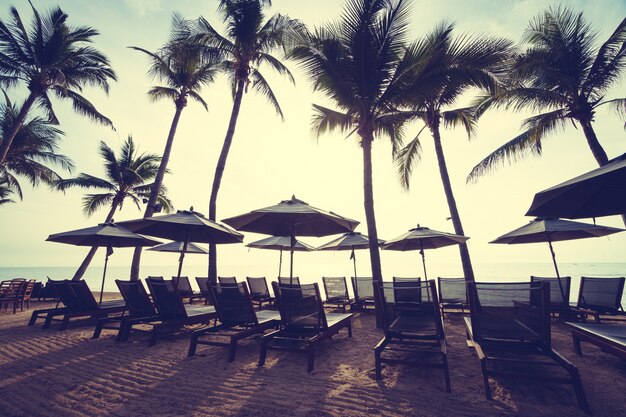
point(16, 291)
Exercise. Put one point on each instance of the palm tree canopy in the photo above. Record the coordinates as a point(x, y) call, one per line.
point(183, 66)
point(562, 73)
point(447, 68)
point(34, 147)
point(249, 43)
point(126, 176)
point(51, 56)
point(6, 191)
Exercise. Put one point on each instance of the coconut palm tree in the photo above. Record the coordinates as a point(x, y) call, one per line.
point(564, 74)
point(247, 45)
point(184, 67)
point(362, 66)
point(127, 176)
point(34, 149)
point(462, 63)
point(50, 57)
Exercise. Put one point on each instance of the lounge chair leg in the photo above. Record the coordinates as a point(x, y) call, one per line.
point(33, 318)
point(378, 365)
point(446, 373)
point(262, 352)
point(581, 398)
point(153, 337)
point(232, 351)
point(65, 322)
point(193, 343)
point(97, 330)
point(483, 366)
point(576, 343)
point(350, 328)
point(47, 321)
point(311, 360)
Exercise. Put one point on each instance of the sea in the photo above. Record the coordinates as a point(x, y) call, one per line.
point(309, 273)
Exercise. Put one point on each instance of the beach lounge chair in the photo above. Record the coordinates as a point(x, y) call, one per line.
point(452, 294)
point(237, 317)
point(203, 284)
point(418, 330)
point(559, 306)
point(336, 290)
point(411, 292)
point(288, 280)
point(259, 291)
point(173, 313)
point(79, 302)
point(363, 288)
point(610, 338)
point(10, 291)
point(184, 289)
point(601, 297)
point(509, 327)
point(25, 293)
point(140, 310)
point(227, 280)
point(304, 323)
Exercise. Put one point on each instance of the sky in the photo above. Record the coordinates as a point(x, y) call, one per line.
point(271, 160)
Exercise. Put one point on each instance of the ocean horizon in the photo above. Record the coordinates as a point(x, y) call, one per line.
point(312, 272)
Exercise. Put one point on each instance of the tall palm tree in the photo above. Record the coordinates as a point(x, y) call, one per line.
point(184, 67)
point(247, 45)
point(127, 176)
point(456, 65)
point(50, 57)
point(34, 149)
point(362, 66)
point(564, 74)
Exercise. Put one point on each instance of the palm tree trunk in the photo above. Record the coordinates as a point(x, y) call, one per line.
point(468, 271)
point(592, 140)
point(156, 187)
point(15, 127)
point(219, 172)
point(372, 233)
point(83, 266)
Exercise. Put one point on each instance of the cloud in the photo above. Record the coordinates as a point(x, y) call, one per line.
point(142, 7)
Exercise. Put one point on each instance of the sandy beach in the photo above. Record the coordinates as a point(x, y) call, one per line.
point(54, 373)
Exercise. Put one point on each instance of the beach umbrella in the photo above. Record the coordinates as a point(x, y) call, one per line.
point(109, 235)
point(185, 226)
point(179, 247)
point(292, 218)
point(422, 238)
point(280, 243)
point(349, 241)
point(597, 193)
point(542, 230)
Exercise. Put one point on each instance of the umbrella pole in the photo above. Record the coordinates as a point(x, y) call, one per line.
point(280, 263)
point(354, 262)
point(182, 256)
point(423, 259)
point(104, 274)
point(293, 244)
point(556, 268)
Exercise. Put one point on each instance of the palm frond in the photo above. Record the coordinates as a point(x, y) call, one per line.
point(460, 117)
point(93, 202)
point(326, 120)
point(407, 158)
point(260, 85)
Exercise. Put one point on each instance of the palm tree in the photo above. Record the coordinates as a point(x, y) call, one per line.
point(127, 177)
point(461, 64)
point(564, 74)
point(6, 191)
point(362, 66)
point(184, 67)
point(50, 57)
point(34, 147)
point(247, 45)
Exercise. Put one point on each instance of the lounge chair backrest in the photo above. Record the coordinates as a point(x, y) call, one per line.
point(183, 285)
point(363, 288)
point(66, 294)
point(510, 312)
point(14, 287)
point(413, 303)
point(50, 291)
point(556, 297)
point(603, 295)
point(227, 280)
point(452, 290)
point(154, 278)
point(28, 289)
point(300, 306)
point(233, 304)
point(258, 287)
point(288, 280)
point(84, 294)
point(167, 300)
point(335, 288)
point(136, 298)
point(411, 284)
point(203, 284)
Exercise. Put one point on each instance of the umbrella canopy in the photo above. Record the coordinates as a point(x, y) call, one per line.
point(178, 247)
point(292, 218)
point(349, 241)
point(552, 230)
point(422, 238)
point(109, 235)
point(186, 226)
point(280, 243)
point(600, 192)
